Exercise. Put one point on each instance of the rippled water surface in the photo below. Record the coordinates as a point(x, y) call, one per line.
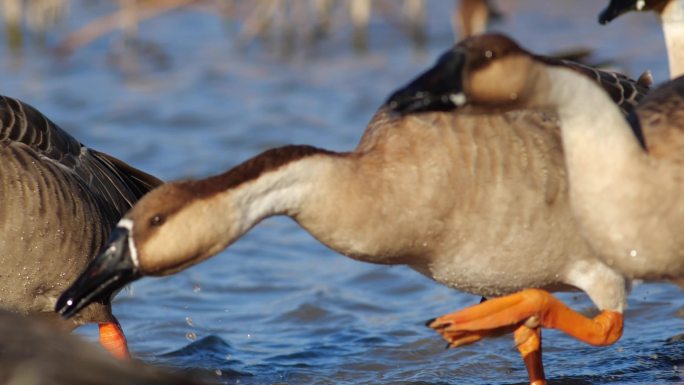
point(278, 307)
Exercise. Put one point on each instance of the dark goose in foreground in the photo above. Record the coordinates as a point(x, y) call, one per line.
point(478, 203)
point(58, 202)
point(33, 353)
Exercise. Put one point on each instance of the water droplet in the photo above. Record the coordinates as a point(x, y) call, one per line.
point(191, 336)
point(189, 321)
point(218, 372)
point(228, 357)
point(249, 336)
point(196, 288)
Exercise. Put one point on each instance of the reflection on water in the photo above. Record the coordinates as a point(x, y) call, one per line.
point(278, 307)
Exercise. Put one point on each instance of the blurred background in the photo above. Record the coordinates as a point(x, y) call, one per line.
point(183, 88)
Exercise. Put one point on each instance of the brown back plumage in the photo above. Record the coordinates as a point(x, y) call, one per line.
point(661, 116)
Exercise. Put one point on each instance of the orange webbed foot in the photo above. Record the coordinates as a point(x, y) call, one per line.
point(456, 337)
point(113, 340)
point(526, 312)
point(537, 308)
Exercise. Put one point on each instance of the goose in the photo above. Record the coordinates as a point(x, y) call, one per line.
point(627, 200)
point(32, 352)
point(671, 13)
point(473, 17)
point(58, 202)
point(478, 203)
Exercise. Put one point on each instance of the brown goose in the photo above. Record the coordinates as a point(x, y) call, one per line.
point(473, 17)
point(58, 202)
point(478, 203)
point(671, 13)
point(33, 353)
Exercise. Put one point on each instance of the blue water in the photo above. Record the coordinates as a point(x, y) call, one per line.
point(278, 307)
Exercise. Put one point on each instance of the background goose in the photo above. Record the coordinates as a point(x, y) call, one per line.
point(627, 200)
point(671, 13)
point(477, 203)
point(473, 17)
point(58, 202)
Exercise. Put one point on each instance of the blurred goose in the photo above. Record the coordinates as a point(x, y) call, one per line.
point(32, 353)
point(58, 202)
point(478, 203)
point(671, 13)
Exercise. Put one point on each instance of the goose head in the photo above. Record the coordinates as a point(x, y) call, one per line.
point(180, 224)
point(159, 236)
point(487, 69)
point(617, 8)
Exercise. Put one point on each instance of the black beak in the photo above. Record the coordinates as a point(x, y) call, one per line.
point(438, 89)
point(615, 9)
point(103, 277)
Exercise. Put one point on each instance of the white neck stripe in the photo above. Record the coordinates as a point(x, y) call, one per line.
point(128, 225)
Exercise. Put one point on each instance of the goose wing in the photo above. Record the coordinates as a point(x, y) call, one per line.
point(661, 117)
point(115, 184)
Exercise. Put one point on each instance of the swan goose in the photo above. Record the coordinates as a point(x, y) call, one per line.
point(478, 203)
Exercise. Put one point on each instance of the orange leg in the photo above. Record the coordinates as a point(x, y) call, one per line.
point(527, 310)
point(530, 349)
point(113, 340)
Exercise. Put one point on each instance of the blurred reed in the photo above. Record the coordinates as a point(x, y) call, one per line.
point(297, 23)
point(289, 25)
point(34, 18)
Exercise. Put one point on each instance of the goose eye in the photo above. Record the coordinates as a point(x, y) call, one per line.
point(157, 220)
point(489, 54)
